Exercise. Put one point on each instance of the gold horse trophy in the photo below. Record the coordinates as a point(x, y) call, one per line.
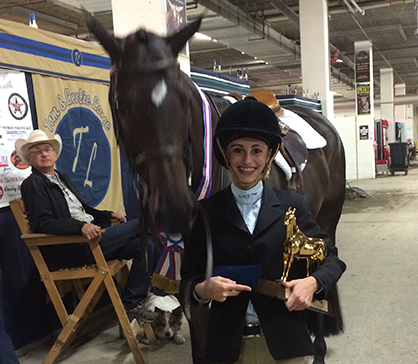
point(298, 245)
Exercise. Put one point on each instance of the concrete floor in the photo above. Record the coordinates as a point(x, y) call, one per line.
point(377, 238)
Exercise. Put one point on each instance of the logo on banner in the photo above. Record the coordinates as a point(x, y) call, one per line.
point(17, 162)
point(18, 106)
point(3, 161)
point(77, 57)
point(1, 192)
point(86, 154)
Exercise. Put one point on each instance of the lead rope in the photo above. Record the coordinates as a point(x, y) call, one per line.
point(209, 266)
point(208, 232)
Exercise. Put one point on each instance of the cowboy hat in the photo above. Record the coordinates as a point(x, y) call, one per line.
point(37, 136)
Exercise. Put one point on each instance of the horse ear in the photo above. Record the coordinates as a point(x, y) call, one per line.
point(109, 42)
point(178, 41)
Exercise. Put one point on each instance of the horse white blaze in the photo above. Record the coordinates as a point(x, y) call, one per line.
point(159, 93)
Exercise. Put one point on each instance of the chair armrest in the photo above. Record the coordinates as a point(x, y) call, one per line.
point(36, 239)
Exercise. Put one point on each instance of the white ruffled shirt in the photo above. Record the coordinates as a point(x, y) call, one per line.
point(249, 203)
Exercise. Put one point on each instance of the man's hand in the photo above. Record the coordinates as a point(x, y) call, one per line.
point(302, 291)
point(219, 289)
point(118, 217)
point(91, 231)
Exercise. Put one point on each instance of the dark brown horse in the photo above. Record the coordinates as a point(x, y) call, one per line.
point(155, 107)
point(157, 113)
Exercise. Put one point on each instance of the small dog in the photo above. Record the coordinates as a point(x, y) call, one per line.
point(171, 318)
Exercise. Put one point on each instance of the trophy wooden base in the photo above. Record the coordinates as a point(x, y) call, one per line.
point(275, 289)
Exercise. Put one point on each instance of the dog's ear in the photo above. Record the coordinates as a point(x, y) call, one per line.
point(178, 313)
point(158, 310)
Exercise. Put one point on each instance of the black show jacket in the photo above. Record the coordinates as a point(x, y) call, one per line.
point(285, 332)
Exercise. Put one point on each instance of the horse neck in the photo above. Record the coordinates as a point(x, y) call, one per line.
point(291, 231)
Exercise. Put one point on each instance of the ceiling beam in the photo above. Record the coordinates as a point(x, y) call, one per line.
point(250, 23)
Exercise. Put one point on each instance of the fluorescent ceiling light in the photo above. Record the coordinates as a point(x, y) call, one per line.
point(202, 36)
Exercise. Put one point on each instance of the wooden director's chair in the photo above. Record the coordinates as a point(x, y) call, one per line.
point(101, 275)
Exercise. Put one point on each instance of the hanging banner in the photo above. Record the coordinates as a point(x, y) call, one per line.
point(80, 113)
point(39, 51)
point(15, 123)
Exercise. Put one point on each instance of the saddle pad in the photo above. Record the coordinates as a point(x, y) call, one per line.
point(282, 163)
point(310, 136)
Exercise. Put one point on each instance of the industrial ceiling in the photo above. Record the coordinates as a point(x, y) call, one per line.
point(262, 37)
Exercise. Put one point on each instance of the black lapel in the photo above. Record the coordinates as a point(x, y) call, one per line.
point(270, 211)
point(226, 209)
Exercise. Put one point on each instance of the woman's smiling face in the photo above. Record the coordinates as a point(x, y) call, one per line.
point(247, 158)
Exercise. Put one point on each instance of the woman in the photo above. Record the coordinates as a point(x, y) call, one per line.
point(248, 231)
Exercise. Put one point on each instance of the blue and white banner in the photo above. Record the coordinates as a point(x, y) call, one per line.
point(80, 113)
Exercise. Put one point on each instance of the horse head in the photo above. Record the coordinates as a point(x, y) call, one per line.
point(290, 222)
point(151, 114)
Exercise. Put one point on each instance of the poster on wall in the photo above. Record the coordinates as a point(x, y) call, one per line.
point(362, 66)
point(364, 132)
point(80, 113)
point(175, 17)
point(15, 123)
point(363, 98)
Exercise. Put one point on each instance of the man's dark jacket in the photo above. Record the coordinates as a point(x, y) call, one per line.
point(286, 332)
point(48, 213)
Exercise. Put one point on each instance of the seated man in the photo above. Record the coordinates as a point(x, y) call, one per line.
point(53, 206)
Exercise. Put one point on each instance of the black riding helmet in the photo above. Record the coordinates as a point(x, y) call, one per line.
point(247, 118)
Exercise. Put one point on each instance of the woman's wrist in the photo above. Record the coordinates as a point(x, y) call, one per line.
point(198, 293)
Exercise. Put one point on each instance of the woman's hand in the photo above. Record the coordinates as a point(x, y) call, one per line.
point(302, 291)
point(118, 217)
point(219, 289)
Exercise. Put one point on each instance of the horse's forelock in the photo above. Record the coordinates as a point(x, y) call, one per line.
point(144, 48)
point(142, 36)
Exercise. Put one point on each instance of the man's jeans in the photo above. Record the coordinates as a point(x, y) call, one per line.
point(122, 242)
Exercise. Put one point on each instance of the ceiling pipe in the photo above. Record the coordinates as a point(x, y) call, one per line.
point(278, 18)
point(350, 8)
point(228, 11)
point(357, 7)
point(288, 12)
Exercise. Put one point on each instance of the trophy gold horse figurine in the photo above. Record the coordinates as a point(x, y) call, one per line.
point(298, 246)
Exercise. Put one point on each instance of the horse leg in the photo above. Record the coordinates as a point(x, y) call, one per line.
point(319, 342)
point(286, 259)
point(285, 263)
point(289, 263)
